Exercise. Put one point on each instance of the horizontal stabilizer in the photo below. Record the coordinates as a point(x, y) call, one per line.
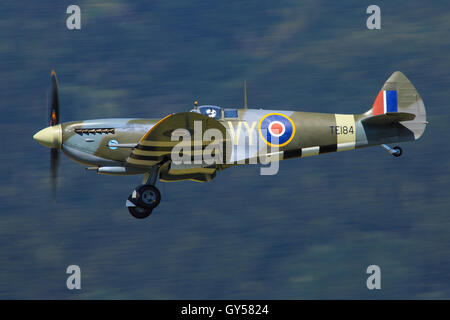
point(388, 118)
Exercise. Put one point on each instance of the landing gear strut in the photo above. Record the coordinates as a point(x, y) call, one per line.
point(395, 151)
point(145, 197)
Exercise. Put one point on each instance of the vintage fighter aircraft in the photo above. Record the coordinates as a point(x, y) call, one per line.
point(147, 146)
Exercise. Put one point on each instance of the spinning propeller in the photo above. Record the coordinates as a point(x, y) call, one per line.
point(54, 120)
point(52, 136)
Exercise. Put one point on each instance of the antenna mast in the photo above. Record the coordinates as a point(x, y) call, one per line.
point(245, 94)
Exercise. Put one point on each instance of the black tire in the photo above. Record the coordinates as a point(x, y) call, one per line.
point(399, 151)
point(148, 196)
point(140, 213)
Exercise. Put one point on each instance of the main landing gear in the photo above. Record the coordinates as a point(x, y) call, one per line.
point(145, 197)
point(395, 151)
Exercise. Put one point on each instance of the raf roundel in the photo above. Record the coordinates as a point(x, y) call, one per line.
point(276, 129)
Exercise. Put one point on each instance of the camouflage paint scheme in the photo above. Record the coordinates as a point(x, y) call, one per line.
point(144, 143)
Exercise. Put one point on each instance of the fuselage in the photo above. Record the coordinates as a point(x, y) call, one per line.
point(293, 133)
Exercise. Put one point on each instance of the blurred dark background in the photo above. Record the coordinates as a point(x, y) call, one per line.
point(309, 232)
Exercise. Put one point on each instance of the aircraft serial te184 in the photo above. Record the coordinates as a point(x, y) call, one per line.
point(229, 136)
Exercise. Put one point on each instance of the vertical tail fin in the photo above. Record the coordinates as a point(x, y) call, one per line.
point(398, 96)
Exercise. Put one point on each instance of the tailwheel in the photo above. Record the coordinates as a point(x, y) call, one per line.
point(148, 196)
point(139, 212)
point(395, 151)
point(398, 151)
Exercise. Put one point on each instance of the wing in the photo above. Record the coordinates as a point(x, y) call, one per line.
point(155, 147)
